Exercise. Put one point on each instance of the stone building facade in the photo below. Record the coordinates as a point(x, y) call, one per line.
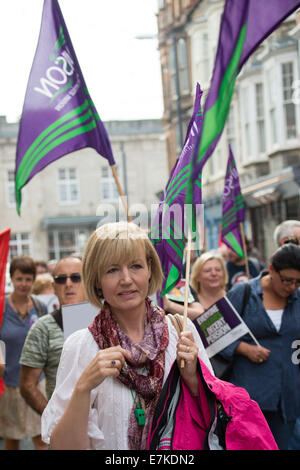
point(64, 203)
point(264, 120)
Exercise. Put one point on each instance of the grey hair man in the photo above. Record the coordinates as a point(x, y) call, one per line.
point(287, 231)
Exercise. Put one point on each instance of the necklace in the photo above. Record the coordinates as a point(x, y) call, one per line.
point(139, 413)
point(20, 314)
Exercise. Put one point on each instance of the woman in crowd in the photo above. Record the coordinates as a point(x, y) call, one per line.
point(17, 419)
point(43, 288)
point(209, 278)
point(111, 374)
point(269, 372)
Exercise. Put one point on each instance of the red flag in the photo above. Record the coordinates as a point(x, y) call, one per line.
point(4, 247)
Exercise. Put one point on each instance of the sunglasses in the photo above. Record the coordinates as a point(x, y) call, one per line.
point(62, 278)
point(294, 240)
point(288, 282)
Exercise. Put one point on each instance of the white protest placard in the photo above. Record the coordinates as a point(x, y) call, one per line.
point(77, 316)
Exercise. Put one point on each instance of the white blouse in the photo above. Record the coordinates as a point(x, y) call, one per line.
point(111, 402)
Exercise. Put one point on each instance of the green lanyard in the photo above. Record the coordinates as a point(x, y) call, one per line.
point(139, 413)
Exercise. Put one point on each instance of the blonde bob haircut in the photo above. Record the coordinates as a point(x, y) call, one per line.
point(116, 243)
point(199, 264)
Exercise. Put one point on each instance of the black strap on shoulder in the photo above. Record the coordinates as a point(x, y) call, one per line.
point(57, 315)
point(246, 296)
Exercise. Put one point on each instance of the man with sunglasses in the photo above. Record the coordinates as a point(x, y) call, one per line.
point(44, 342)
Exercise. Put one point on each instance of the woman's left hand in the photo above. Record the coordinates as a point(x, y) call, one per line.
point(188, 351)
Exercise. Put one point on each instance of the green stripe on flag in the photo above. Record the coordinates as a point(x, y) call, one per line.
point(55, 143)
point(173, 181)
point(170, 197)
point(232, 240)
point(177, 185)
point(198, 183)
point(178, 249)
point(65, 88)
point(70, 115)
point(230, 216)
point(171, 280)
point(215, 117)
point(36, 155)
point(64, 138)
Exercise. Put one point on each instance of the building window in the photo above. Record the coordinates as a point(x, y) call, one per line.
point(166, 88)
point(177, 8)
point(169, 12)
point(172, 68)
point(200, 54)
point(197, 56)
point(211, 166)
point(182, 65)
point(65, 242)
point(205, 55)
point(230, 131)
point(68, 186)
point(247, 126)
point(109, 190)
point(20, 244)
point(260, 117)
point(292, 208)
point(10, 184)
point(287, 73)
point(272, 95)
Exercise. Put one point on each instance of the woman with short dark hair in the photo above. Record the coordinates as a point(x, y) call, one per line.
point(25, 264)
point(270, 371)
point(17, 419)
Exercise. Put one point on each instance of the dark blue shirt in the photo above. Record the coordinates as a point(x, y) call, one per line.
point(237, 273)
point(13, 332)
point(274, 383)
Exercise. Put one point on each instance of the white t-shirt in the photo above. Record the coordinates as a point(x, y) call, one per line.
point(276, 317)
point(111, 402)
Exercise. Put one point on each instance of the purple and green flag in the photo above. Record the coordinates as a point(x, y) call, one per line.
point(233, 208)
point(244, 25)
point(167, 232)
point(58, 115)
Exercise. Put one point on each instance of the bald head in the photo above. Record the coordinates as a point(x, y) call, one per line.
point(70, 291)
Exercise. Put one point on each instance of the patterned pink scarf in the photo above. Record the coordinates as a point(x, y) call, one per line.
point(149, 354)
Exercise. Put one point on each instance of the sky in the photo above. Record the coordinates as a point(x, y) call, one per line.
point(122, 72)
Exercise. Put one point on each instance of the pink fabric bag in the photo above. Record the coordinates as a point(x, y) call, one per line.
point(223, 416)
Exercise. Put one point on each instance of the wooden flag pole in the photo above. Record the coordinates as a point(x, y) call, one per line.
point(244, 249)
point(122, 196)
point(187, 283)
